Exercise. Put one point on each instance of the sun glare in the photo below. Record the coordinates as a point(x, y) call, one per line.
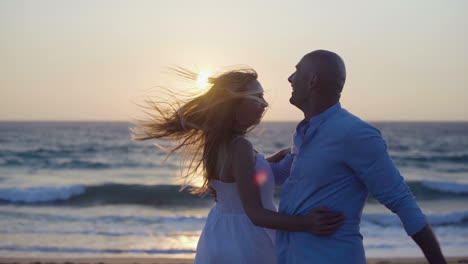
point(202, 80)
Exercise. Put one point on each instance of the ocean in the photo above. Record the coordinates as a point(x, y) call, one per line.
point(85, 189)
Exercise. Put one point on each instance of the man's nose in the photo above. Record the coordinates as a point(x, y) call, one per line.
point(290, 78)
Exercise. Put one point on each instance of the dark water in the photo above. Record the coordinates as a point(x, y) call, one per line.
point(85, 188)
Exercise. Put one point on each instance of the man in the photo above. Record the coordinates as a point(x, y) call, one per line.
point(338, 160)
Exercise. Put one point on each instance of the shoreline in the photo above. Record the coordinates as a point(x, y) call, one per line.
point(450, 260)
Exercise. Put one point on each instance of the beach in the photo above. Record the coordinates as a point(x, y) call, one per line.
point(452, 260)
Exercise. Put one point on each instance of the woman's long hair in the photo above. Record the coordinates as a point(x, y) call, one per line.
point(201, 126)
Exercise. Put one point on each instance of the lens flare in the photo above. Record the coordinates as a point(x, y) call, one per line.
point(260, 177)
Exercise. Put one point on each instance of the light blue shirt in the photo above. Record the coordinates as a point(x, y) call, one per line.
point(337, 161)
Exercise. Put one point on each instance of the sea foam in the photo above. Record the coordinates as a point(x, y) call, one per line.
point(450, 187)
point(40, 194)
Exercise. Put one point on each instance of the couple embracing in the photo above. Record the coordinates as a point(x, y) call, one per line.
point(336, 160)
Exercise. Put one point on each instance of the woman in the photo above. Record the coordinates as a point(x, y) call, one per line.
point(210, 129)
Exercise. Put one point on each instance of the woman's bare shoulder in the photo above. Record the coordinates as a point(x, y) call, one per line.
point(241, 146)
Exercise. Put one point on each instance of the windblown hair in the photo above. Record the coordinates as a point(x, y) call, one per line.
point(202, 126)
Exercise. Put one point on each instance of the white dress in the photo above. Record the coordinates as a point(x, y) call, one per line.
point(229, 236)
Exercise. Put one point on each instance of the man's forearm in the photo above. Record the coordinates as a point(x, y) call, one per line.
point(282, 169)
point(427, 241)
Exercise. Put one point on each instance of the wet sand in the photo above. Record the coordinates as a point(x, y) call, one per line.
point(453, 260)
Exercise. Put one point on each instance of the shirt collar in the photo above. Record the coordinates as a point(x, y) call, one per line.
point(325, 114)
point(315, 121)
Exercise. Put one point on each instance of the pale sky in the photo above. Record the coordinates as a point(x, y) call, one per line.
point(93, 60)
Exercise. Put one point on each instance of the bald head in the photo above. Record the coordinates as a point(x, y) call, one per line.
point(329, 68)
point(317, 82)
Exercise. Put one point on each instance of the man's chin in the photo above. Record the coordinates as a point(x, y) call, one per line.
point(293, 101)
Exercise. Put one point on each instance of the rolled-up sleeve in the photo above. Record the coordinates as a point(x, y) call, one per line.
point(282, 169)
point(367, 155)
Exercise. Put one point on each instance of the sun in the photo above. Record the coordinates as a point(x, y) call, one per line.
point(202, 80)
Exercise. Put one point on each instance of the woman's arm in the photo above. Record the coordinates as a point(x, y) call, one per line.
point(278, 156)
point(319, 221)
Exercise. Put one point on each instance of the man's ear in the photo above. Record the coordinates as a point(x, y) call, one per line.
point(313, 81)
